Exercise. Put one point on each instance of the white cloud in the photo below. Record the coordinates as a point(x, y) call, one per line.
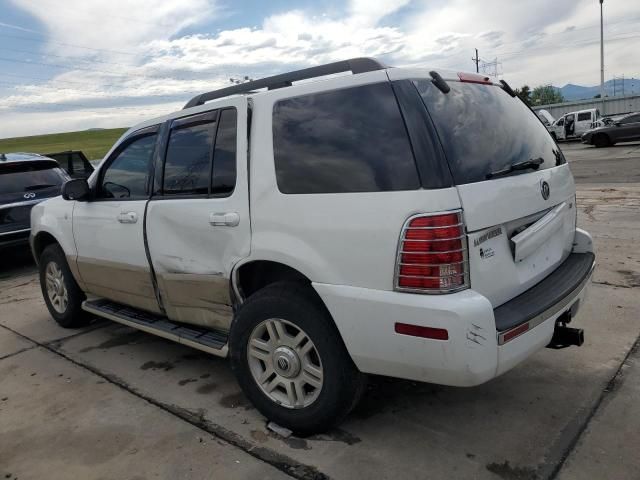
point(113, 25)
point(555, 42)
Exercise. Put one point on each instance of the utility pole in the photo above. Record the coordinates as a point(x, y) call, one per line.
point(601, 57)
point(477, 60)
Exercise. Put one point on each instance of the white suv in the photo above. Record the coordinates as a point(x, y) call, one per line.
point(397, 222)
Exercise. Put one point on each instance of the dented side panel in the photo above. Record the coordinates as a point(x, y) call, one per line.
point(193, 251)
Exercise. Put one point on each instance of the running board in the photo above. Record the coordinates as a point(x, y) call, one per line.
point(209, 341)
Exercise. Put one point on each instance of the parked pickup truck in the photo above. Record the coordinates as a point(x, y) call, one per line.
point(572, 125)
point(413, 223)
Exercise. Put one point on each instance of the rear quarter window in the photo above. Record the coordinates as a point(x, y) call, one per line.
point(349, 140)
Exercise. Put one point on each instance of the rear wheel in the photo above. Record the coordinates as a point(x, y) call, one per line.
point(61, 293)
point(601, 140)
point(290, 360)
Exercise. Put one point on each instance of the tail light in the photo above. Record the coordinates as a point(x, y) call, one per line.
point(432, 254)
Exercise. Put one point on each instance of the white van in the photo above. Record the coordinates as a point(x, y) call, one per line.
point(574, 124)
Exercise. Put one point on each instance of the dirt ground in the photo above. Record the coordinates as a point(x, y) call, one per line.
point(109, 402)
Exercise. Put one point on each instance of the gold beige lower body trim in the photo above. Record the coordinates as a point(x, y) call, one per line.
point(122, 283)
point(196, 299)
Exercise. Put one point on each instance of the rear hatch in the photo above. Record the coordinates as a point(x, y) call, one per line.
point(22, 185)
point(520, 220)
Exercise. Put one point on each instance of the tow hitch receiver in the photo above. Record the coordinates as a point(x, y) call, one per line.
point(564, 336)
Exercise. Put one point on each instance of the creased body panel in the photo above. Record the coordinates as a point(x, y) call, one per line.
point(198, 299)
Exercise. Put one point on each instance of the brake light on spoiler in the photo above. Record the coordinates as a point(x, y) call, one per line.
point(474, 78)
point(432, 254)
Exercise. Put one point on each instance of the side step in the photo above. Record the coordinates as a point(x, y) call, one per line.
point(209, 341)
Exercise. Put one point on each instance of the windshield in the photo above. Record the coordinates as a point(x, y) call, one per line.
point(484, 130)
point(29, 176)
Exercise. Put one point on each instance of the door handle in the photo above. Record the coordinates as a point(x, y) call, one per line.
point(229, 219)
point(128, 217)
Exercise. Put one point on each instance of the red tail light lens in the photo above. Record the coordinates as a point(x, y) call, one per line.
point(432, 254)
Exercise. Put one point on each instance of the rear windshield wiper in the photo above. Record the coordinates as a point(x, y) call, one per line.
point(39, 186)
point(533, 163)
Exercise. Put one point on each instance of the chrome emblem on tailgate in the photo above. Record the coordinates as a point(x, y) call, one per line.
point(544, 189)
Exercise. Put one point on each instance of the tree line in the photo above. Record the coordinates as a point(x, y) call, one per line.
point(542, 95)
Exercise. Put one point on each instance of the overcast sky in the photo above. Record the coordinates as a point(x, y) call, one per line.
point(78, 64)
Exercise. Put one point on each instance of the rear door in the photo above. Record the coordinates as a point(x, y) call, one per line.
point(198, 223)
point(520, 224)
point(629, 128)
point(558, 129)
point(109, 229)
point(584, 121)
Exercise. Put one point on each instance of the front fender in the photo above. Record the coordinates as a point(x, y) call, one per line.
point(54, 217)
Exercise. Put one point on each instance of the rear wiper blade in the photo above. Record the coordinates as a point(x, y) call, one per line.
point(533, 163)
point(39, 186)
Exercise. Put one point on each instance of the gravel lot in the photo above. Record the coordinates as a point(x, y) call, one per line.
point(111, 402)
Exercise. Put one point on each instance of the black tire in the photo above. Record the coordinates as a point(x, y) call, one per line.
point(72, 316)
point(601, 140)
point(343, 385)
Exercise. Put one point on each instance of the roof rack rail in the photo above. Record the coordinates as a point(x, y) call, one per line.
point(354, 65)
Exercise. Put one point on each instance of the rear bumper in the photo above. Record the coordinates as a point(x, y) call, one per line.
point(471, 355)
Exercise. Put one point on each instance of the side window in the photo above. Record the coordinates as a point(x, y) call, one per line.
point(80, 165)
point(560, 122)
point(188, 160)
point(631, 119)
point(584, 116)
point(223, 179)
point(350, 140)
point(127, 176)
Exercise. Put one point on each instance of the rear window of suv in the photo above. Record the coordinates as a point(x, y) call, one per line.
point(350, 140)
point(483, 130)
point(30, 176)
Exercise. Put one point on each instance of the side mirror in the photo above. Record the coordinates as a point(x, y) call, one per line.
point(76, 189)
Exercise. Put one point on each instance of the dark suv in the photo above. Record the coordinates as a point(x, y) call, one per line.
point(25, 179)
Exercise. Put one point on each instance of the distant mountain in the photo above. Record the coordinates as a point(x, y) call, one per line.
point(630, 86)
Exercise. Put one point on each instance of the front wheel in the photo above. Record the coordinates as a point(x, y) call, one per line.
point(290, 360)
point(61, 293)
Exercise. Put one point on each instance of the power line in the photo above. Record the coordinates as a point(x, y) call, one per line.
point(572, 44)
point(66, 44)
point(16, 50)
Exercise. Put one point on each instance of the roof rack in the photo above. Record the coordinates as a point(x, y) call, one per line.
point(354, 65)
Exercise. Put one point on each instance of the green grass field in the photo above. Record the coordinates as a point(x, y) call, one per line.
point(94, 143)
